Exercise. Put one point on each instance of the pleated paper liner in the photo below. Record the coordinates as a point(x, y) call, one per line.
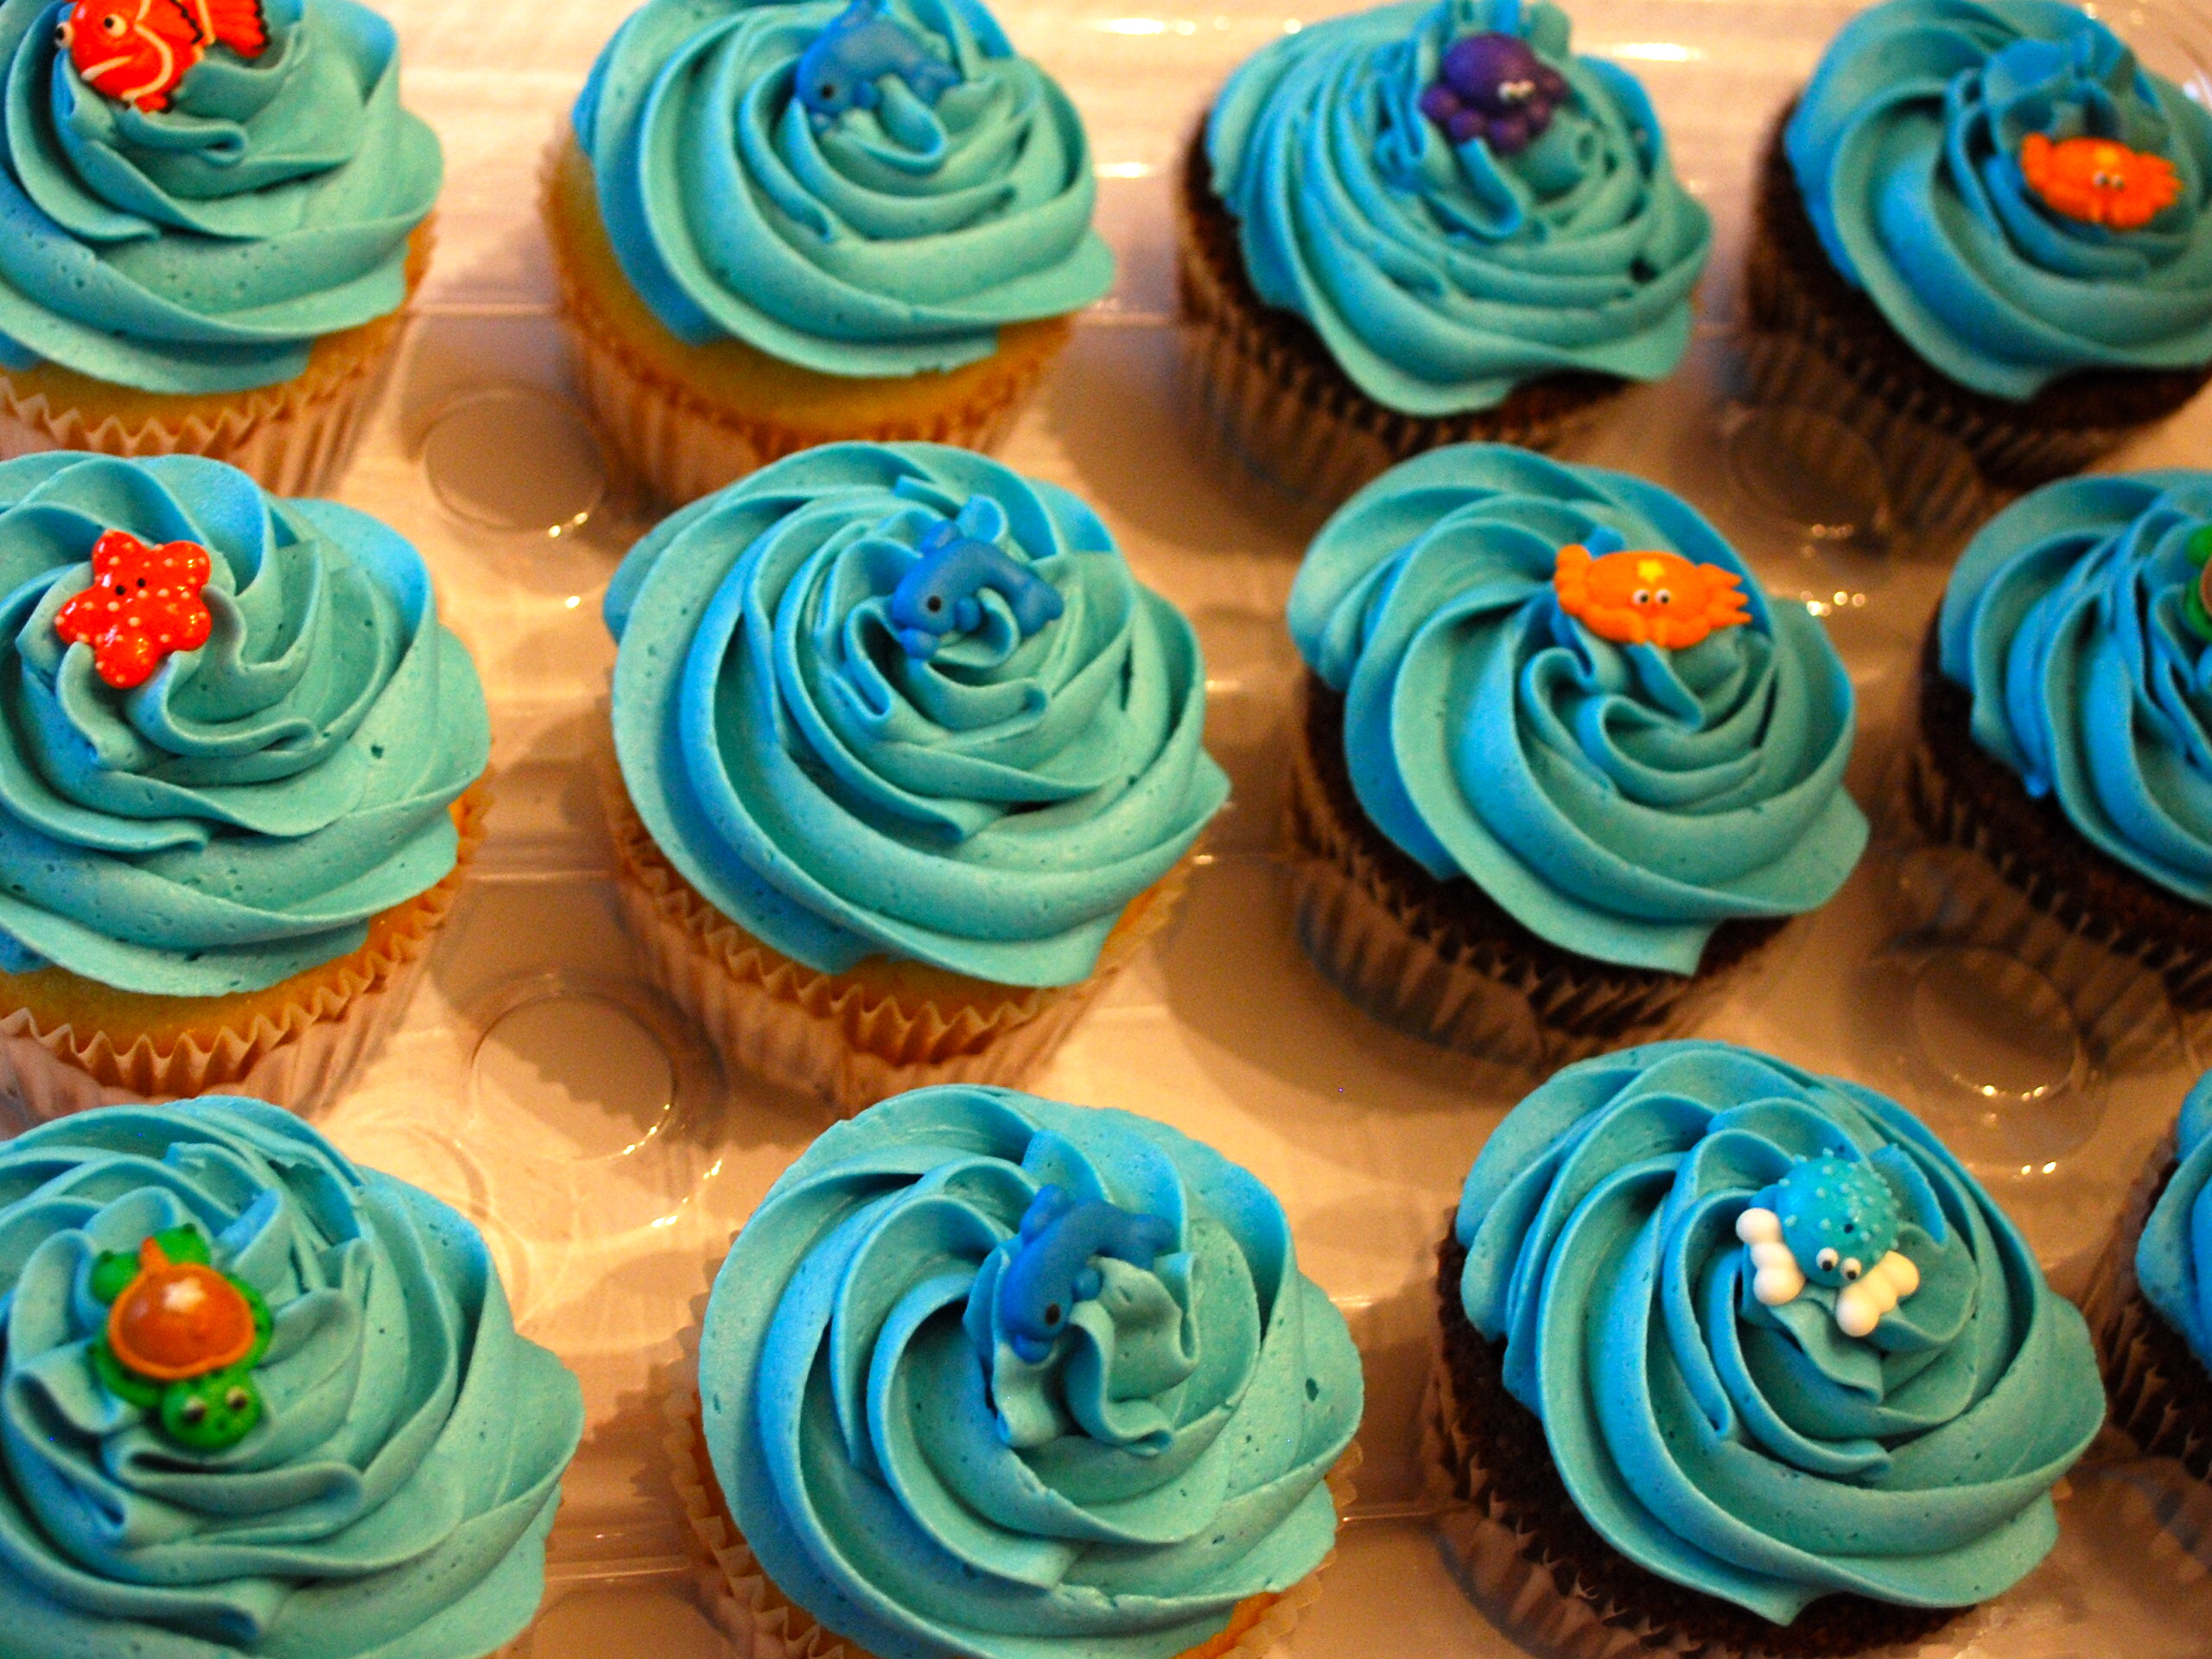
point(765, 1624)
point(876, 1030)
point(1489, 998)
point(294, 438)
point(688, 420)
point(1274, 401)
point(298, 1043)
point(1956, 882)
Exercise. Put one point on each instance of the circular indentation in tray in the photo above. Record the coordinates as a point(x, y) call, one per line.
point(597, 1080)
point(516, 460)
point(1995, 1027)
point(1807, 472)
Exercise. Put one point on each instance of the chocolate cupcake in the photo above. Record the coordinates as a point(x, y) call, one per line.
point(1561, 765)
point(1988, 219)
point(2151, 1301)
point(1424, 225)
point(2063, 753)
point(1740, 1360)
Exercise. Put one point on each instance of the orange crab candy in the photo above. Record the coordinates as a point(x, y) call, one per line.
point(1648, 598)
point(2099, 182)
point(179, 1319)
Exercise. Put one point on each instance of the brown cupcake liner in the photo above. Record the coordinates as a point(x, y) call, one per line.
point(850, 1040)
point(294, 439)
point(1484, 996)
point(1791, 291)
point(298, 1046)
point(1264, 388)
point(681, 444)
point(765, 1624)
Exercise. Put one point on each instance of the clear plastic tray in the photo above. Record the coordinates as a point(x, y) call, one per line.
point(540, 1086)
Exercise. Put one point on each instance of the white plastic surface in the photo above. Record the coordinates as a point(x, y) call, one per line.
point(539, 1086)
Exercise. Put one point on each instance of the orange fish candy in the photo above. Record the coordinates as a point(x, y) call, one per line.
point(1636, 598)
point(139, 51)
point(2099, 181)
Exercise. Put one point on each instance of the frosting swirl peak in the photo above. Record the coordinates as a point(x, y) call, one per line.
point(1743, 1445)
point(2173, 1259)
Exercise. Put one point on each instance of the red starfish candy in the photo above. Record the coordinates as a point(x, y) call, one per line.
point(143, 604)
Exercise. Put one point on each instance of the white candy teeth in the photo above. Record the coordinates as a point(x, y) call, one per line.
point(1779, 1278)
point(1859, 1306)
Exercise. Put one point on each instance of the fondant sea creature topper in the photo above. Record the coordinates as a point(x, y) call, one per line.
point(1635, 598)
point(1055, 1264)
point(1833, 1222)
point(2099, 181)
point(1492, 87)
point(958, 560)
point(145, 605)
point(139, 52)
point(2197, 601)
point(181, 1340)
point(862, 44)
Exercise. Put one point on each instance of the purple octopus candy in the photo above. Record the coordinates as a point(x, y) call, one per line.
point(1492, 87)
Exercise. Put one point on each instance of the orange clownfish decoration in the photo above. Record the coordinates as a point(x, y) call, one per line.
point(2098, 181)
point(1648, 598)
point(139, 51)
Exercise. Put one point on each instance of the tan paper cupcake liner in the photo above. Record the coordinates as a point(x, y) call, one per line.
point(294, 439)
point(1508, 1571)
point(681, 446)
point(301, 1052)
point(1493, 1001)
point(1298, 428)
point(1956, 883)
point(765, 1624)
point(841, 1037)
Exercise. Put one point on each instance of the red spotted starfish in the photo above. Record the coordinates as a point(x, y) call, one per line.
point(143, 605)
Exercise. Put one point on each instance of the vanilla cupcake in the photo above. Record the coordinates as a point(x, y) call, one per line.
point(210, 241)
point(782, 225)
point(1106, 1413)
point(909, 766)
point(239, 783)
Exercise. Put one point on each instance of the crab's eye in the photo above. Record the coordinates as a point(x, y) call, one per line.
point(65, 34)
point(1851, 1267)
point(1640, 596)
point(113, 26)
point(1827, 1261)
point(1664, 596)
point(1052, 1313)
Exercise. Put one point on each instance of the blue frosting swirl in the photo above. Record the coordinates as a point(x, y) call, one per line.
point(205, 248)
point(2067, 618)
point(990, 807)
point(1619, 801)
point(1906, 150)
point(243, 813)
point(907, 1477)
point(1755, 1452)
point(880, 241)
point(2173, 1259)
point(394, 1499)
point(1442, 275)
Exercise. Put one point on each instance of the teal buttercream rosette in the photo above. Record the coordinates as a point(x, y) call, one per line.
point(243, 813)
point(1906, 148)
point(1442, 275)
point(991, 807)
point(1756, 1452)
point(394, 1496)
point(205, 248)
point(2069, 619)
point(904, 1474)
point(2173, 1258)
point(1621, 801)
point(889, 240)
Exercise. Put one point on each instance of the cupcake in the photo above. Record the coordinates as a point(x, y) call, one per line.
point(211, 235)
point(1423, 225)
point(985, 1377)
point(1988, 219)
point(260, 1402)
point(2148, 1300)
point(236, 797)
point(1561, 765)
point(1740, 1360)
point(2063, 762)
point(781, 224)
point(910, 766)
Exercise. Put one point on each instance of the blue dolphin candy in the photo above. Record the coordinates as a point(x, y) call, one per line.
point(839, 71)
point(939, 594)
point(1053, 1264)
